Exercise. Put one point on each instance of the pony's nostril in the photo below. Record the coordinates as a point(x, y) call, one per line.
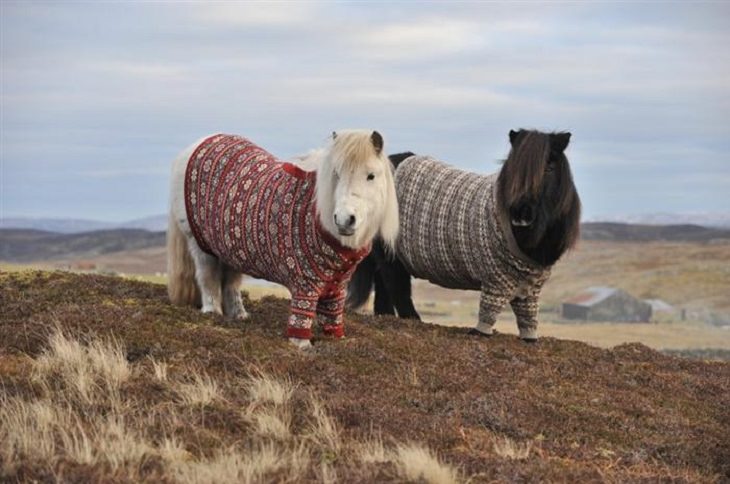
point(527, 214)
point(352, 220)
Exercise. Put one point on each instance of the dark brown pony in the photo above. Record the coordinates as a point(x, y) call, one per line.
point(535, 193)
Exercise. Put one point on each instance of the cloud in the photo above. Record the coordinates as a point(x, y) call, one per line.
point(420, 39)
point(113, 91)
point(255, 14)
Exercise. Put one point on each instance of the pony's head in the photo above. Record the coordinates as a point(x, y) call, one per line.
point(356, 197)
point(537, 195)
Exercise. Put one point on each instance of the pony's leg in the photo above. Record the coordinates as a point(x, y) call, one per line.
point(383, 303)
point(303, 312)
point(490, 304)
point(232, 302)
point(397, 282)
point(208, 274)
point(330, 311)
point(525, 309)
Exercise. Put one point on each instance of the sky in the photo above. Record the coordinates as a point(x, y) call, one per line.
point(98, 97)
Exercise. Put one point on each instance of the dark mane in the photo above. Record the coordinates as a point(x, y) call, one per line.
point(535, 185)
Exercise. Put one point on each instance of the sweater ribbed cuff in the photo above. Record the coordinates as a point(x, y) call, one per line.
point(336, 330)
point(301, 333)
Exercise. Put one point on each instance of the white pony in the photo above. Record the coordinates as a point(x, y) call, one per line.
point(237, 209)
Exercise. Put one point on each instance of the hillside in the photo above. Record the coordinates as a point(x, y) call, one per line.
point(26, 245)
point(179, 396)
point(30, 245)
point(607, 231)
point(72, 226)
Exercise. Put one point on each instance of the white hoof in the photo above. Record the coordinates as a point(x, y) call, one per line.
point(211, 310)
point(302, 344)
point(240, 316)
point(528, 334)
point(484, 329)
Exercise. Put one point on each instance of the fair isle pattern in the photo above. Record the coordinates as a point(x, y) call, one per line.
point(258, 215)
point(451, 234)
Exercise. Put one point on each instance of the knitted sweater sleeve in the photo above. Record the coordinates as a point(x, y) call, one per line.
point(330, 311)
point(491, 302)
point(526, 308)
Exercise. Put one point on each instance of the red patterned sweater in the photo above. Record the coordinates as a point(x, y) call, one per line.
point(258, 215)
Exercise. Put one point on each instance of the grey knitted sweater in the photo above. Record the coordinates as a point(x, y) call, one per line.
point(452, 234)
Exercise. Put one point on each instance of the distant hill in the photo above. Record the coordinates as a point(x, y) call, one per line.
point(621, 232)
point(704, 219)
point(30, 245)
point(154, 223)
point(25, 245)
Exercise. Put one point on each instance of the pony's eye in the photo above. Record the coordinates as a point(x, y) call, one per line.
point(371, 176)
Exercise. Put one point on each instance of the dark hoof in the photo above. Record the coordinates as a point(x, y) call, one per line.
point(476, 332)
point(529, 340)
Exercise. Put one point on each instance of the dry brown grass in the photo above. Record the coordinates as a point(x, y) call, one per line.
point(80, 416)
point(419, 464)
point(201, 390)
point(509, 449)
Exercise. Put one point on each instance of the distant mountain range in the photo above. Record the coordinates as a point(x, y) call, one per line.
point(649, 233)
point(154, 223)
point(704, 219)
point(159, 222)
point(30, 245)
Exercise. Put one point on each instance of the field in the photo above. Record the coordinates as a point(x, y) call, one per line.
point(102, 380)
point(690, 276)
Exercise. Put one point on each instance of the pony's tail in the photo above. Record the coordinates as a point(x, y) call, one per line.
point(181, 285)
point(361, 283)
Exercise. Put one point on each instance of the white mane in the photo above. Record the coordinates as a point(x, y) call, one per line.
point(309, 161)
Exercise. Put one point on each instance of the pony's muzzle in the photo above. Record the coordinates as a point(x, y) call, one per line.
point(523, 215)
point(345, 224)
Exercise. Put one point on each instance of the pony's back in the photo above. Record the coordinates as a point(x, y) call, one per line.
point(445, 214)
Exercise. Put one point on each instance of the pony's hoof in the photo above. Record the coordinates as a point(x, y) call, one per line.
point(301, 344)
point(476, 332)
point(242, 316)
point(531, 341)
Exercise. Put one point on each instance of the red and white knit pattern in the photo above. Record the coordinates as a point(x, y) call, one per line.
point(258, 215)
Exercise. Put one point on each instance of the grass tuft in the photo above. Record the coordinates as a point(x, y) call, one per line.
point(416, 463)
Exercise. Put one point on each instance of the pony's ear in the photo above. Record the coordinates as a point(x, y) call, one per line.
point(377, 141)
point(513, 136)
point(334, 134)
point(559, 141)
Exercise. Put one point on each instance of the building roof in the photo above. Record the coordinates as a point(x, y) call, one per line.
point(659, 305)
point(591, 296)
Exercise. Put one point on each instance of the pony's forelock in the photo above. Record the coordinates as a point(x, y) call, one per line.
point(350, 148)
point(522, 174)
